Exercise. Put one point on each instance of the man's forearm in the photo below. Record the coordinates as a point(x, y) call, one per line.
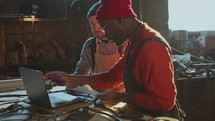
point(80, 80)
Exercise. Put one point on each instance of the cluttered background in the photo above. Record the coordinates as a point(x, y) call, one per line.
point(48, 35)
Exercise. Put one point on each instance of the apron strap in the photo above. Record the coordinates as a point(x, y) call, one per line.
point(97, 48)
point(133, 59)
point(93, 50)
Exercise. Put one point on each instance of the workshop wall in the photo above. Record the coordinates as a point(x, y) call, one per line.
point(2, 46)
point(155, 13)
point(69, 31)
point(62, 22)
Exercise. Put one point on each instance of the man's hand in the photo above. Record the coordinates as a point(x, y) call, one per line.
point(55, 77)
point(109, 98)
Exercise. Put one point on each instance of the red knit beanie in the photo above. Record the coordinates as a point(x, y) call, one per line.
point(115, 9)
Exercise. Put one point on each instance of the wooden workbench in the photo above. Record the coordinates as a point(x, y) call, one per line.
point(24, 111)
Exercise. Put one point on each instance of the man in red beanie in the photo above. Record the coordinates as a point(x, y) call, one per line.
point(147, 67)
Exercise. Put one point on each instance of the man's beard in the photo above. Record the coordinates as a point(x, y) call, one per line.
point(119, 37)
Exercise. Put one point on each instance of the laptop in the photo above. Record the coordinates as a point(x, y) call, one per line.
point(37, 92)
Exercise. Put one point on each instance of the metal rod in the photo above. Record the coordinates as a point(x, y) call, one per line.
point(141, 10)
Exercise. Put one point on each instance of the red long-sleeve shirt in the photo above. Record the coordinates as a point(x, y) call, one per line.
point(153, 69)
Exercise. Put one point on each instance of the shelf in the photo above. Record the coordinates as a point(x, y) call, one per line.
point(41, 19)
point(23, 33)
point(16, 17)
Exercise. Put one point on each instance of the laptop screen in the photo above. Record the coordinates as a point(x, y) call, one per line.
point(37, 92)
point(35, 86)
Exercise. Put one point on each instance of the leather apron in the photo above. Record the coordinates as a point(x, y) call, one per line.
point(105, 62)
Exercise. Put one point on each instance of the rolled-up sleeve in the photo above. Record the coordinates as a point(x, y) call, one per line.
point(83, 66)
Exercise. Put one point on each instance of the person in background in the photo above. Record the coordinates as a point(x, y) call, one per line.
point(99, 53)
point(146, 69)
